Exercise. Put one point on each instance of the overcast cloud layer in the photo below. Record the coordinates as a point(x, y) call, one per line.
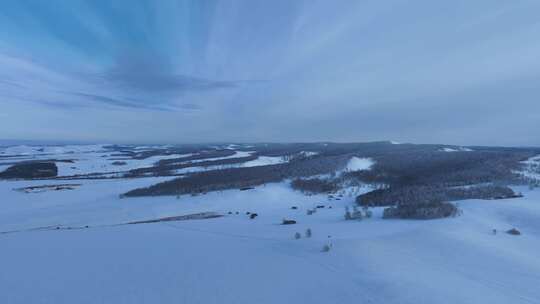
point(461, 72)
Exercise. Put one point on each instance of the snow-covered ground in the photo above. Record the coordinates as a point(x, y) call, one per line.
point(359, 164)
point(457, 149)
point(93, 159)
point(25, 150)
point(531, 168)
point(234, 259)
point(80, 159)
point(259, 161)
point(100, 163)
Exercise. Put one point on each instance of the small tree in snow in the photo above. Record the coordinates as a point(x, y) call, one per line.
point(357, 214)
point(327, 246)
point(347, 213)
point(367, 212)
point(308, 233)
point(297, 236)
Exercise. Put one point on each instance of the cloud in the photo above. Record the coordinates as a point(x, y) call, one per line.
point(135, 83)
point(117, 102)
point(420, 70)
point(191, 107)
point(153, 73)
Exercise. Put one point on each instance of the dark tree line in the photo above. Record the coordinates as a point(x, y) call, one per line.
point(418, 195)
point(314, 185)
point(236, 178)
point(412, 173)
point(29, 170)
point(423, 211)
point(162, 169)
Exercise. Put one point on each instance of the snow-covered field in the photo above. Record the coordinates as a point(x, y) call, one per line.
point(259, 161)
point(93, 159)
point(234, 259)
point(73, 245)
point(83, 159)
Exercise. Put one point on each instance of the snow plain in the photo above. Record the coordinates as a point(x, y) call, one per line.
point(78, 160)
point(93, 159)
point(234, 259)
point(237, 260)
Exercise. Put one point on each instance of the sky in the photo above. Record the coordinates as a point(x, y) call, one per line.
point(422, 71)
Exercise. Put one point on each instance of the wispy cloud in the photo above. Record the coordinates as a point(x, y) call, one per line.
point(152, 73)
point(137, 84)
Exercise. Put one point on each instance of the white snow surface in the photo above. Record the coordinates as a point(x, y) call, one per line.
point(458, 149)
point(308, 153)
point(237, 260)
point(95, 162)
point(88, 159)
point(259, 161)
point(358, 164)
point(265, 161)
point(43, 150)
point(84, 159)
point(531, 168)
point(237, 154)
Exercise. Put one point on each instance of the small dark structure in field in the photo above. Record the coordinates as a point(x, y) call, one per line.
point(422, 211)
point(253, 215)
point(29, 170)
point(118, 163)
point(320, 206)
point(246, 188)
point(288, 222)
point(513, 231)
point(294, 207)
point(43, 188)
point(195, 216)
